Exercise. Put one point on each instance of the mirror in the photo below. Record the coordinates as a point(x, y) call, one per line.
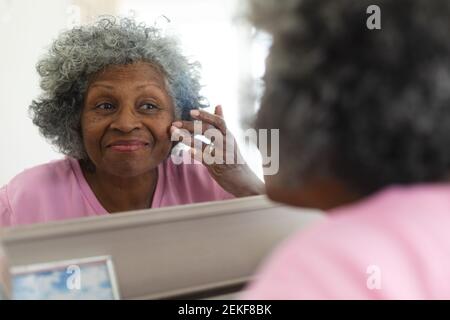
point(210, 32)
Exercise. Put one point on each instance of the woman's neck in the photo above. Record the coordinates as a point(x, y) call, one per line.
point(117, 194)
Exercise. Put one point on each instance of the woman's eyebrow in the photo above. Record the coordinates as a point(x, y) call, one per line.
point(149, 84)
point(106, 86)
point(138, 87)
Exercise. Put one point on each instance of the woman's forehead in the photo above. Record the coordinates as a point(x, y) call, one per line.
point(138, 72)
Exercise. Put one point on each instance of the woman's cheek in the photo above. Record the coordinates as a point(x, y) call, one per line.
point(161, 131)
point(163, 137)
point(92, 129)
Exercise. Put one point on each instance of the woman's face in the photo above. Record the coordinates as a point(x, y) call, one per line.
point(126, 118)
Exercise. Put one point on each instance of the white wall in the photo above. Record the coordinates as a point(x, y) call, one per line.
point(26, 27)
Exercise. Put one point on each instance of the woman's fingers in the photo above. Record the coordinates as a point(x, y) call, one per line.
point(196, 127)
point(205, 121)
point(218, 111)
point(212, 126)
point(206, 130)
point(204, 124)
point(189, 140)
point(214, 119)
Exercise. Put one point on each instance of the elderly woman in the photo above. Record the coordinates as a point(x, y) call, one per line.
point(113, 93)
point(364, 119)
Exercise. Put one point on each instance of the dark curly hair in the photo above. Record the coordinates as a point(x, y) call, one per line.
point(369, 107)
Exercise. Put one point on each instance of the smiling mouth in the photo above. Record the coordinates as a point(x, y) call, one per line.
point(128, 146)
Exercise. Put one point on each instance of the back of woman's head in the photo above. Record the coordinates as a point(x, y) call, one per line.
point(369, 107)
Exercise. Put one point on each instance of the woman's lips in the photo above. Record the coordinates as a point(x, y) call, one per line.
point(127, 146)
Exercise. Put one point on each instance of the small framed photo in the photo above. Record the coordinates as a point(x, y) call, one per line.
point(79, 279)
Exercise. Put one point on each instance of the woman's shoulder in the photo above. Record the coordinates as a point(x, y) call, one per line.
point(37, 192)
point(384, 233)
point(384, 224)
point(41, 175)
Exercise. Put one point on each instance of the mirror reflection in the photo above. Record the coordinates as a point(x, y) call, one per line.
point(125, 106)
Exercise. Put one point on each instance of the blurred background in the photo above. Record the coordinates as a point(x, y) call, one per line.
point(212, 32)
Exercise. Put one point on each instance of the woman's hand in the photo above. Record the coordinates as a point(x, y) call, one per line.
point(222, 156)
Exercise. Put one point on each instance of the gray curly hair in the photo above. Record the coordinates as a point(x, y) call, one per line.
point(82, 51)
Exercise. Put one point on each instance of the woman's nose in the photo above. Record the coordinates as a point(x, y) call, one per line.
point(126, 121)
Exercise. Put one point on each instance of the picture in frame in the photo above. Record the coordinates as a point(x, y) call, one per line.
point(78, 279)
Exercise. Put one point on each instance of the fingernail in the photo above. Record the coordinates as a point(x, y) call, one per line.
point(195, 113)
point(178, 124)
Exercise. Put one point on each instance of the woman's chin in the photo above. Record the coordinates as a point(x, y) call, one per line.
point(128, 168)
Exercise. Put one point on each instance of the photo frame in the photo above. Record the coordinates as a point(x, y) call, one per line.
point(90, 278)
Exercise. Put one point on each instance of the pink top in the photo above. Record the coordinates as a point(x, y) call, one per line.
point(393, 245)
point(58, 190)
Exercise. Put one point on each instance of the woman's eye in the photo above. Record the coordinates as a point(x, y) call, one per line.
point(105, 106)
point(148, 106)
